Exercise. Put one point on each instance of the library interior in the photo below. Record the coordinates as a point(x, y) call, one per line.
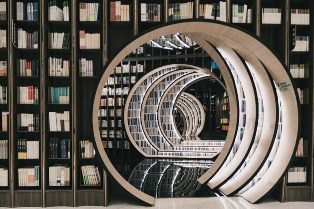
point(143, 101)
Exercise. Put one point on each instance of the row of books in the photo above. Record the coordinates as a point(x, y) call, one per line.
point(302, 148)
point(4, 121)
point(127, 68)
point(3, 10)
point(117, 144)
point(271, 16)
point(87, 149)
point(180, 11)
point(4, 149)
point(59, 40)
point(213, 11)
point(29, 177)
point(27, 40)
point(58, 67)
point(27, 122)
point(90, 175)
point(4, 177)
point(3, 95)
point(58, 12)
point(106, 133)
point(3, 38)
point(119, 11)
point(241, 14)
point(111, 102)
point(302, 44)
point(3, 67)
point(89, 11)
point(59, 148)
point(117, 123)
point(121, 80)
point(86, 67)
point(297, 175)
point(300, 16)
point(27, 11)
point(110, 112)
point(59, 95)
point(115, 91)
point(27, 95)
point(89, 40)
point(299, 70)
point(59, 176)
point(27, 149)
point(150, 12)
point(28, 68)
point(59, 121)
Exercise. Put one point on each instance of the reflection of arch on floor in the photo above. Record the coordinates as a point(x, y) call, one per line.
point(238, 47)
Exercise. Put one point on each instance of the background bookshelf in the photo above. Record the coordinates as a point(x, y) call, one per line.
point(44, 64)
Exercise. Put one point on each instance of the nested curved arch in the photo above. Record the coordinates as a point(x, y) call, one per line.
point(247, 47)
point(200, 111)
point(188, 113)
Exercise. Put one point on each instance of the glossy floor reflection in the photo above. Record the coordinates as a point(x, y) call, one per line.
point(171, 178)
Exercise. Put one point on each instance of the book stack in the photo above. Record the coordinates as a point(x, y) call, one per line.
point(89, 40)
point(3, 11)
point(87, 149)
point(4, 177)
point(27, 122)
point(302, 148)
point(27, 40)
point(241, 14)
point(27, 149)
point(119, 11)
point(27, 95)
point(299, 70)
point(59, 148)
point(89, 11)
point(4, 149)
point(59, 95)
point(59, 121)
point(212, 11)
point(90, 175)
point(28, 12)
point(3, 38)
point(56, 13)
point(29, 177)
point(303, 95)
point(180, 11)
point(86, 67)
point(59, 40)
point(150, 12)
point(4, 121)
point(59, 176)
point(302, 44)
point(27, 68)
point(300, 16)
point(297, 175)
point(3, 94)
point(111, 102)
point(3, 68)
point(58, 67)
point(271, 16)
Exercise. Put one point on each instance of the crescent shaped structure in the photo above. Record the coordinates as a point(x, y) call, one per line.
point(264, 111)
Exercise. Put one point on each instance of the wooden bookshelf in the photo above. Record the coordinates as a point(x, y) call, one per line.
point(113, 36)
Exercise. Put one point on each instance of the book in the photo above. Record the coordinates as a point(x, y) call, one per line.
point(27, 95)
point(27, 68)
point(58, 12)
point(86, 67)
point(27, 11)
point(271, 15)
point(90, 175)
point(3, 94)
point(180, 11)
point(297, 175)
point(3, 38)
point(241, 13)
point(119, 11)
point(150, 12)
point(89, 11)
point(3, 68)
point(89, 40)
point(59, 122)
point(27, 122)
point(300, 17)
point(299, 70)
point(59, 148)
point(4, 149)
point(3, 11)
point(58, 40)
point(87, 149)
point(27, 149)
point(4, 177)
point(59, 176)
point(29, 177)
point(302, 44)
point(27, 40)
point(58, 67)
point(59, 95)
point(4, 121)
